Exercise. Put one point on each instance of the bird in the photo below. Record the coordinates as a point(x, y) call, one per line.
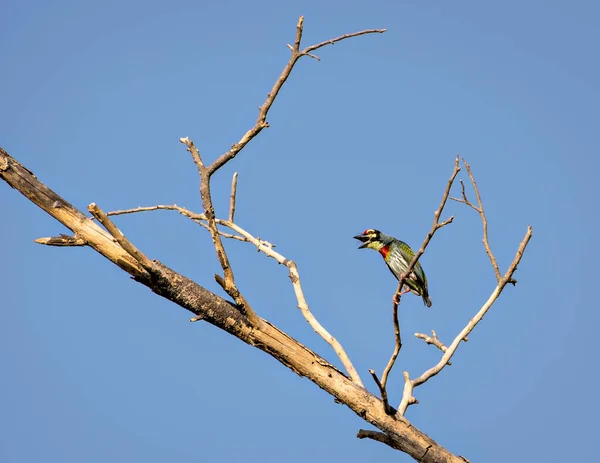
point(397, 255)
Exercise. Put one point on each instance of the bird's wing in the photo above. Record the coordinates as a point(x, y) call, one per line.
point(408, 254)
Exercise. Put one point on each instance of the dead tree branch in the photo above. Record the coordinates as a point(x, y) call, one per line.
point(433, 340)
point(217, 311)
point(462, 336)
point(119, 237)
point(228, 282)
point(480, 211)
point(240, 319)
point(267, 249)
point(396, 299)
point(261, 121)
point(232, 197)
point(198, 218)
point(62, 240)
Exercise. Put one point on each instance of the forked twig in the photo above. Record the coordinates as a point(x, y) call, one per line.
point(481, 212)
point(433, 340)
point(206, 172)
point(261, 121)
point(503, 280)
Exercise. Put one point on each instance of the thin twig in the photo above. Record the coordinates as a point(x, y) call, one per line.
point(194, 152)
point(261, 121)
point(433, 340)
point(384, 396)
point(174, 207)
point(198, 218)
point(307, 50)
point(232, 197)
point(119, 237)
point(397, 347)
point(479, 209)
point(472, 323)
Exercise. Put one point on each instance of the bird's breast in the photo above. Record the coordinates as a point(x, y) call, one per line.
point(385, 252)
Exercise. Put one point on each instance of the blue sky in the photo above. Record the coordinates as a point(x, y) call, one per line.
point(95, 96)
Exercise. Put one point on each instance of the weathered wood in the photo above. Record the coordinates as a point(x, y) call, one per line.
point(225, 315)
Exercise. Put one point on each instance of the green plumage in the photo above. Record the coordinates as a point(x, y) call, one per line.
point(397, 255)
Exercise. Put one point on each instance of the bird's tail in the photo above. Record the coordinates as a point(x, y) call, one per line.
point(426, 300)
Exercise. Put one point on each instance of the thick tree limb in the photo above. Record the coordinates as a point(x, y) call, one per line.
point(221, 313)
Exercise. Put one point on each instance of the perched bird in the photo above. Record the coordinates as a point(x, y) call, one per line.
point(397, 255)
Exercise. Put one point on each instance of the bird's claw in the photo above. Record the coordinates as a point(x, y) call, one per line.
point(396, 297)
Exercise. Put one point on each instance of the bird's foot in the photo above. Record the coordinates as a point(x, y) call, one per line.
point(396, 297)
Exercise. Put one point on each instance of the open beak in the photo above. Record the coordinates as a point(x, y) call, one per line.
point(364, 239)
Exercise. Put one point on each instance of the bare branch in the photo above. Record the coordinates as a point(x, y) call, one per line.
point(174, 207)
point(228, 284)
point(502, 282)
point(267, 249)
point(62, 240)
point(194, 152)
point(198, 218)
point(392, 360)
point(379, 437)
point(384, 397)
point(307, 50)
point(407, 397)
point(261, 121)
point(302, 304)
point(396, 299)
point(232, 197)
point(435, 227)
point(433, 340)
point(481, 212)
point(119, 237)
point(462, 336)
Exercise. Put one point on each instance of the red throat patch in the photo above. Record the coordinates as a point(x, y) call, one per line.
point(384, 251)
